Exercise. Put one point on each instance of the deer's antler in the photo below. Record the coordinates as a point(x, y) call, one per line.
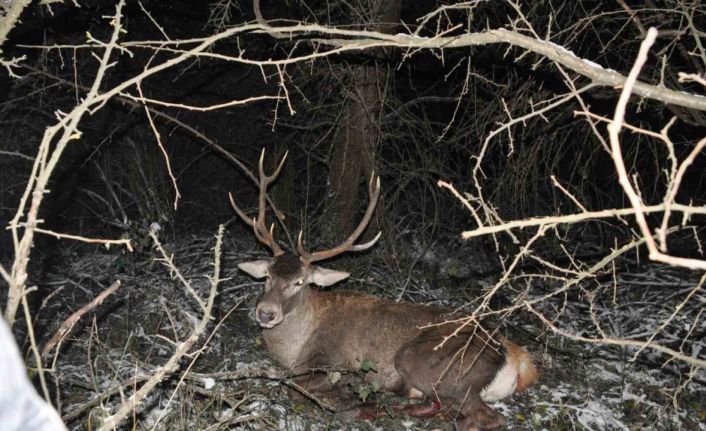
point(348, 244)
point(264, 235)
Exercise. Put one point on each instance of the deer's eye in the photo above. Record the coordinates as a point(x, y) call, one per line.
point(300, 282)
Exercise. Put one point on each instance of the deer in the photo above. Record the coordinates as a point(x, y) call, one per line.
point(454, 370)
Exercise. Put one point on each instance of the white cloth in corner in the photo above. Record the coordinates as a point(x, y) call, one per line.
point(21, 408)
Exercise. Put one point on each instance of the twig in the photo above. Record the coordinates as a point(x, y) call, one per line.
point(44, 165)
point(692, 360)
point(613, 132)
point(182, 349)
point(319, 402)
point(127, 100)
point(35, 349)
point(168, 261)
point(71, 321)
point(676, 311)
point(577, 217)
point(360, 40)
point(107, 242)
point(11, 13)
point(215, 279)
point(160, 144)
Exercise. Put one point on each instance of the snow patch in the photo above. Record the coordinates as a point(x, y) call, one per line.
point(596, 414)
point(209, 383)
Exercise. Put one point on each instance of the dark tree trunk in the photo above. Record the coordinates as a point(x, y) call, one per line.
point(355, 145)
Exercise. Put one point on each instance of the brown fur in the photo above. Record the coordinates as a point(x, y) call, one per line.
point(455, 373)
point(305, 329)
point(519, 356)
point(343, 329)
point(286, 267)
point(337, 328)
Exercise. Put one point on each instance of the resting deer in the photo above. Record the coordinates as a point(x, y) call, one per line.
point(306, 329)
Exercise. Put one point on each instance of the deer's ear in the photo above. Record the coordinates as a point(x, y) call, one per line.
point(326, 277)
point(256, 268)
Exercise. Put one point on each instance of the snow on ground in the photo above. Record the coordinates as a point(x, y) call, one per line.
point(235, 384)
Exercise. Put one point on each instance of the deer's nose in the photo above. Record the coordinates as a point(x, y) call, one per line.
point(265, 316)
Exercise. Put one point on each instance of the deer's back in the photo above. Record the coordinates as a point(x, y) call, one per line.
point(349, 328)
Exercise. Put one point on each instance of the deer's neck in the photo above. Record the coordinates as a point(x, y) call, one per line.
point(286, 341)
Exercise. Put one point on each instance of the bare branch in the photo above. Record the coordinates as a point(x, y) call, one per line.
point(69, 323)
point(183, 348)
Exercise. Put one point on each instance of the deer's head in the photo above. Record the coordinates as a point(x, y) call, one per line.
point(289, 274)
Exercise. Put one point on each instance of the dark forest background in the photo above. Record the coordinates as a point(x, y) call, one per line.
point(412, 115)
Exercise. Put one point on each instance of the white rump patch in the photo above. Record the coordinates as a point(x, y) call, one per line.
point(503, 385)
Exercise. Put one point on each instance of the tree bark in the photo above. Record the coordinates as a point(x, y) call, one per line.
point(353, 158)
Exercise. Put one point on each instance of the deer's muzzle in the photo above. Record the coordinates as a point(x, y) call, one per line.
point(268, 315)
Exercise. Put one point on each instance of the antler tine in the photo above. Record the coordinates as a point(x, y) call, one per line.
point(253, 222)
point(265, 181)
point(238, 211)
point(366, 245)
point(303, 254)
point(264, 235)
point(347, 245)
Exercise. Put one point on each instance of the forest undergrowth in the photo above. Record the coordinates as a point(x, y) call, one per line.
point(235, 383)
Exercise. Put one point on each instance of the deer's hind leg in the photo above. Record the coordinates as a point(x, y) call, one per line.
point(455, 374)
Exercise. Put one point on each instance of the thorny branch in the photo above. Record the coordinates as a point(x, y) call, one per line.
point(359, 40)
point(614, 129)
point(182, 347)
point(638, 210)
point(44, 165)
